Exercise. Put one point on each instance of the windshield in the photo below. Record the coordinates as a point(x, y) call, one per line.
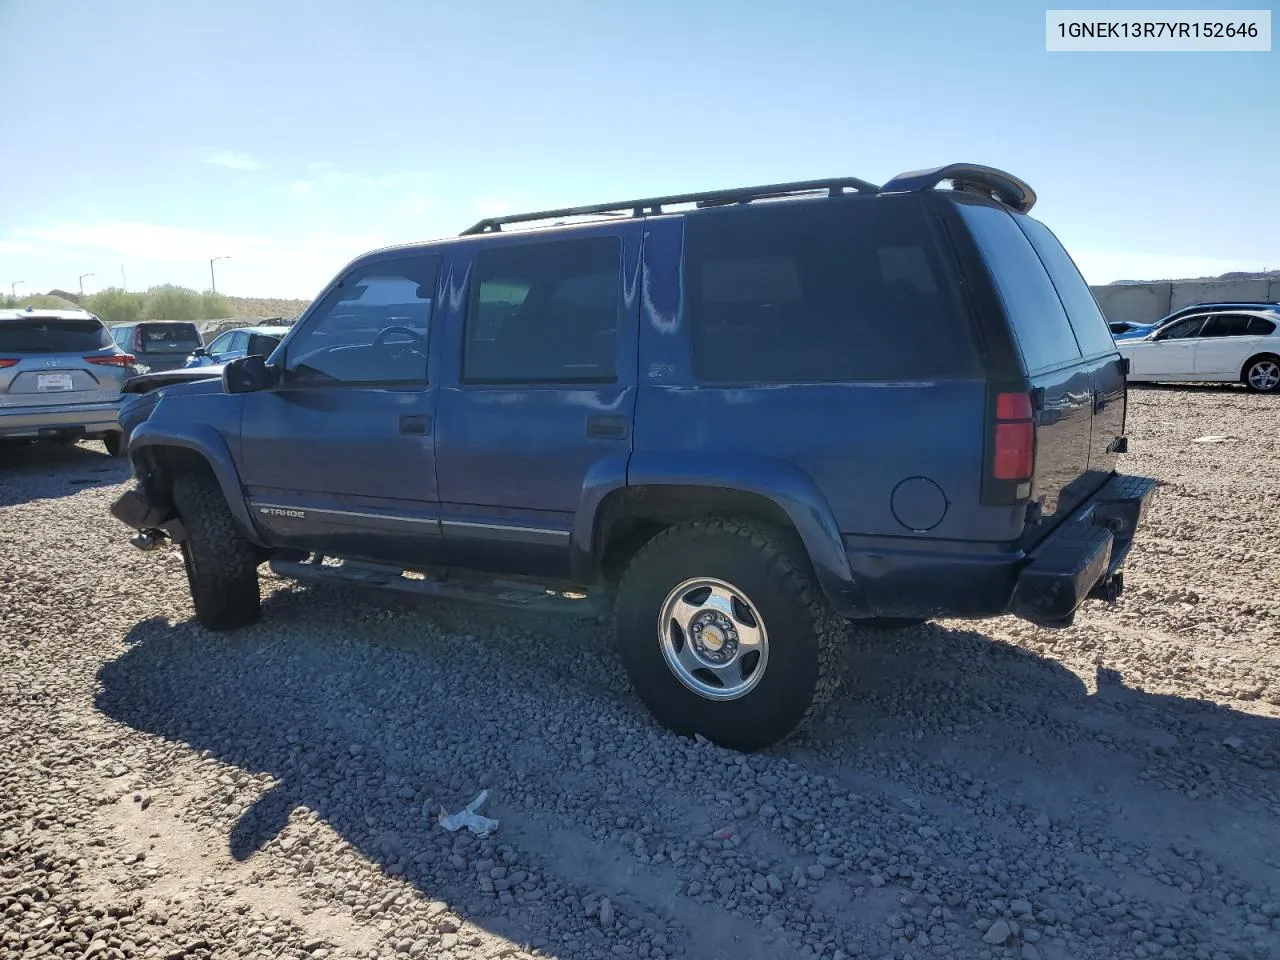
point(51, 335)
point(170, 337)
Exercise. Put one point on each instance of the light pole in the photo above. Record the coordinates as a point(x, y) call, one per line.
point(124, 284)
point(82, 276)
point(13, 288)
point(213, 283)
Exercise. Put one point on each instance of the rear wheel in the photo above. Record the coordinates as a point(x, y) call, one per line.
point(1262, 374)
point(114, 442)
point(222, 565)
point(724, 633)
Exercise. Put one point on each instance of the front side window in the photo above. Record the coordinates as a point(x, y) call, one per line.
point(221, 344)
point(1182, 329)
point(821, 291)
point(545, 313)
point(371, 329)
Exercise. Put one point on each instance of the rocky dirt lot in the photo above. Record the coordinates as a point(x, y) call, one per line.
point(983, 790)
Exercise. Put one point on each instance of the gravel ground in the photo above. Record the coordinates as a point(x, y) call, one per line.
point(976, 790)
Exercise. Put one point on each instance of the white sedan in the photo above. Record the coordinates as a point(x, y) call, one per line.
point(1225, 346)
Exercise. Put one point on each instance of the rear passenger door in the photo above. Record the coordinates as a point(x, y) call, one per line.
point(1225, 343)
point(544, 397)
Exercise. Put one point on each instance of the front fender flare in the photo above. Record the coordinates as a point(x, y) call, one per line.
point(204, 440)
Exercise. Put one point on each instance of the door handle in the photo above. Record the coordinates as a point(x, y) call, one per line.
point(601, 427)
point(416, 424)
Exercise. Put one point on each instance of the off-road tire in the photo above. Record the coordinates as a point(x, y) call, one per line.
point(803, 634)
point(222, 565)
point(114, 442)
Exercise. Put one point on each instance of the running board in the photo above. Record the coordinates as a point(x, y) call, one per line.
point(441, 586)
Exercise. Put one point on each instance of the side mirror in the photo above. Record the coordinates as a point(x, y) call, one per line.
point(200, 352)
point(248, 375)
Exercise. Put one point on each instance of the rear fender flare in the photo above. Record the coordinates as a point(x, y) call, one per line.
point(209, 444)
point(781, 483)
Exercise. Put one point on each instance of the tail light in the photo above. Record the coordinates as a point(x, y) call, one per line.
point(6, 362)
point(114, 360)
point(1014, 453)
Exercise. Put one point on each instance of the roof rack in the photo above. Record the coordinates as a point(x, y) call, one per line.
point(970, 178)
point(652, 206)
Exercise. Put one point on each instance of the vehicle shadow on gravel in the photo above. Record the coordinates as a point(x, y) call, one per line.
point(377, 717)
point(25, 471)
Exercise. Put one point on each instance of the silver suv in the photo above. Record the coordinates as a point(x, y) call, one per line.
point(60, 378)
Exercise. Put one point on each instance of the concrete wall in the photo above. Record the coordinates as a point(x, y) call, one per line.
point(1148, 302)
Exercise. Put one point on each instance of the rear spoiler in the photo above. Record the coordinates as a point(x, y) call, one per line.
point(969, 178)
point(146, 382)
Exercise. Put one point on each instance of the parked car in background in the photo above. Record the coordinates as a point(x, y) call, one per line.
point(677, 412)
point(1210, 343)
point(158, 344)
point(60, 378)
point(241, 342)
point(1135, 331)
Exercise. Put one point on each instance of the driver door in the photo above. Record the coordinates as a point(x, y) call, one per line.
point(340, 457)
point(1171, 354)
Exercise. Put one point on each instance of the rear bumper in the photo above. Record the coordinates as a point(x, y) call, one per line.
point(62, 419)
point(1081, 558)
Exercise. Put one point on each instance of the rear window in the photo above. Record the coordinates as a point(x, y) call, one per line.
point(1040, 322)
point(1090, 326)
point(819, 292)
point(169, 337)
point(52, 336)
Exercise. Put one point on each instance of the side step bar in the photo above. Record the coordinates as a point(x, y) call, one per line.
point(520, 596)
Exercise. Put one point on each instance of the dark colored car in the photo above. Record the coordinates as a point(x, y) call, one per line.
point(735, 419)
point(159, 344)
point(60, 378)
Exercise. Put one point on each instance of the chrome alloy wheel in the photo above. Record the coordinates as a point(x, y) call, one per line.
point(713, 639)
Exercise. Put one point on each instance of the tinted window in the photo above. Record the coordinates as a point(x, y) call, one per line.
point(545, 312)
point(169, 337)
point(821, 291)
point(1261, 327)
point(371, 329)
point(1040, 323)
point(1090, 326)
point(1182, 329)
point(261, 345)
point(39, 335)
point(1227, 325)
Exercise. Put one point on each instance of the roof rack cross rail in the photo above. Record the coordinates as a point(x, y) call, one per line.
point(652, 206)
point(969, 178)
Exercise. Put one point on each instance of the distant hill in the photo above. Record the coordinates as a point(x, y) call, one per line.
point(1233, 275)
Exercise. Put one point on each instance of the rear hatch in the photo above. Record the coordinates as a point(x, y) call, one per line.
point(46, 361)
point(163, 346)
point(1057, 412)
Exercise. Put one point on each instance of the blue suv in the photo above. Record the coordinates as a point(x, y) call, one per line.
point(736, 420)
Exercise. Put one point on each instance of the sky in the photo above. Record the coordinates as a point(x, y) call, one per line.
point(291, 136)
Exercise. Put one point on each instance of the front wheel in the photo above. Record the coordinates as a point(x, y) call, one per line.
point(222, 565)
point(1262, 374)
point(724, 633)
point(114, 442)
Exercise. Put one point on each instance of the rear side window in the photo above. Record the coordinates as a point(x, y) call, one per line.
point(1087, 321)
point(1040, 323)
point(169, 337)
point(545, 313)
point(52, 336)
point(1228, 325)
point(819, 292)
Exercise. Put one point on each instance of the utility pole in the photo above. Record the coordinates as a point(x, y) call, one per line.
point(82, 276)
point(124, 284)
point(13, 288)
point(213, 283)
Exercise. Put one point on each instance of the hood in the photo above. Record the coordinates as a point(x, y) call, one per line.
point(148, 382)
